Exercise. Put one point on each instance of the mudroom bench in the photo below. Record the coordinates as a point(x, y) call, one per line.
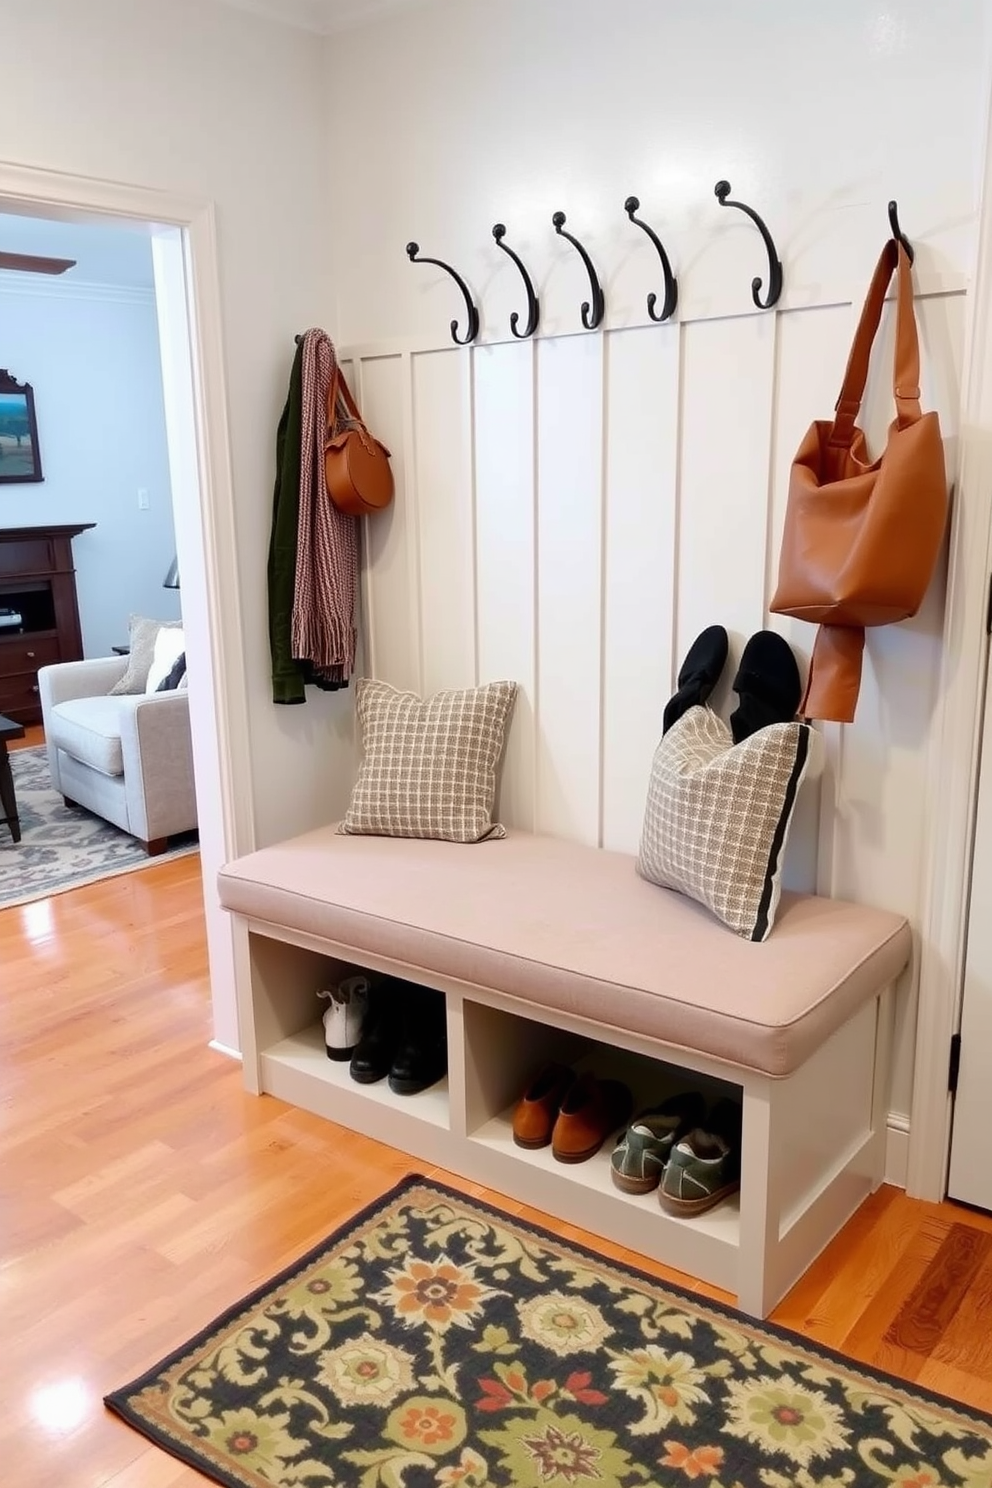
point(546, 949)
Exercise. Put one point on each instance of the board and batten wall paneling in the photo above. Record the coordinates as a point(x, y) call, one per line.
point(390, 558)
point(640, 534)
point(878, 822)
point(811, 355)
point(443, 434)
point(569, 585)
point(572, 511)
point(727, 396)
point(505, 556)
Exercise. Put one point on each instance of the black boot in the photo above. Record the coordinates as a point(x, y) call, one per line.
point(699, 674)
point(382, 1029)
point(422, 1056)
point(767, 684)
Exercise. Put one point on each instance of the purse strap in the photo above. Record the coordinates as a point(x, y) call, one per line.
point(906, 363)
point(339, 389)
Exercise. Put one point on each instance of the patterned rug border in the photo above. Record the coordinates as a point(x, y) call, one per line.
point(116, 1400)
point(16, 898)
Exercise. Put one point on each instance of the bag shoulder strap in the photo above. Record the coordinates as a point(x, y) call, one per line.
point(339, 391)
point(906, 362)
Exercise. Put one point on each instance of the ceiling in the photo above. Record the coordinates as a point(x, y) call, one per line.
point(118, 255)
point(323, 16)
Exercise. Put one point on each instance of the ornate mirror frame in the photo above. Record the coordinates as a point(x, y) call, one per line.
point(19, 450)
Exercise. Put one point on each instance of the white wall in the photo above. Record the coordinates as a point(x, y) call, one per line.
point(816, 115)
point(572, 512)
point(91, 353)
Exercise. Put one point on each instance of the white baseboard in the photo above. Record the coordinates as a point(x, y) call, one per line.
point(897, 1149)
point(236, 1054)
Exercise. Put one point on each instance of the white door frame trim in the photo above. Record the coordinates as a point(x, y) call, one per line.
point(225, 757)
point(952, 773)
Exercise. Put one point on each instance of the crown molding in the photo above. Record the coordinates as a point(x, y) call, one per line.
point(31, 288)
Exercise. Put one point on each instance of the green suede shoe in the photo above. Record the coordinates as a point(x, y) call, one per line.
point(705, 1164)
point(639, 1158)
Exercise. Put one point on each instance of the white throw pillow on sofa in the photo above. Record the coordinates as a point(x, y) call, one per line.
point(170, 644)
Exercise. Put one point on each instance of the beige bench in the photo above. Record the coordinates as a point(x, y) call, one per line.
point(549, 949)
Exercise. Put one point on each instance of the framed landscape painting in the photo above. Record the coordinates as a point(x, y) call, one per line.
point(20, 458)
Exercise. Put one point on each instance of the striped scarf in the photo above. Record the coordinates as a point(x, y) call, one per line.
point(323, 630)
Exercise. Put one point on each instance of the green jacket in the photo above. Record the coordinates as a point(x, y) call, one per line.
point(290, 677)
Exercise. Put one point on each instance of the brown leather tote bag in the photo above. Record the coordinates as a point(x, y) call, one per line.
point(862, 537)
point(357, 471)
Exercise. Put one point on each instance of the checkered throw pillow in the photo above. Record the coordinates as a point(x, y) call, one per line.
point(429, 767)
point(718, 814)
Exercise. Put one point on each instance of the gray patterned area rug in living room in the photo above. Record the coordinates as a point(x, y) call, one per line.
point(63, 847)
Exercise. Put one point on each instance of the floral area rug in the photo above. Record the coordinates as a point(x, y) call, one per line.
point(434, 1341)
point(63, 847)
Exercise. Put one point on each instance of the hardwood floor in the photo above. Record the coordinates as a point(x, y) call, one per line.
point(33, 734)
point(142, 1191)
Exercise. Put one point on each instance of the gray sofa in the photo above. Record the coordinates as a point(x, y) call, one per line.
point(129, 758)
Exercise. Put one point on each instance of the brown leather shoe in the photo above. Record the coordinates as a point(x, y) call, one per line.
point(537, 1109)
point(591, 1110)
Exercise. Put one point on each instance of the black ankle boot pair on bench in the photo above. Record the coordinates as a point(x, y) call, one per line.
point(388, 1028)
point(767, 681)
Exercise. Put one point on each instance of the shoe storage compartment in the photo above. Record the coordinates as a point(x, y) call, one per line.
point(812, 1143)
point(286, 1055)
point(503, 1053)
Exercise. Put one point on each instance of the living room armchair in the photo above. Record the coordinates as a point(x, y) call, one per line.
point(128, 758)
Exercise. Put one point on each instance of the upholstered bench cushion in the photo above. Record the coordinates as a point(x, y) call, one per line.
point(573, 928)
point(90, 730)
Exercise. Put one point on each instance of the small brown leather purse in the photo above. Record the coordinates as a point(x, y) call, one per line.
point(357, 471)
point(862, 537)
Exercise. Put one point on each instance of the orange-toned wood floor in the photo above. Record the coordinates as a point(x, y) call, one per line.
point(142, 1191)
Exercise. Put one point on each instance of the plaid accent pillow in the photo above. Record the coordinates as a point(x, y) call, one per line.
point(429, 768)
point(718, 814)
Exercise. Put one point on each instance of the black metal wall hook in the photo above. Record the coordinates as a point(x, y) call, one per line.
point(722, 192)
point(413, 252)
point(591, 317)
point(630, 206)
point(897, 231)
point(533, 304)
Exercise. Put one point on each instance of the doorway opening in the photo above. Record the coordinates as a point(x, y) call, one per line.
point(180, 234)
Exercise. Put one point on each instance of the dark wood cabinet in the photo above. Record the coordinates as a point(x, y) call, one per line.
point(37, 583)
